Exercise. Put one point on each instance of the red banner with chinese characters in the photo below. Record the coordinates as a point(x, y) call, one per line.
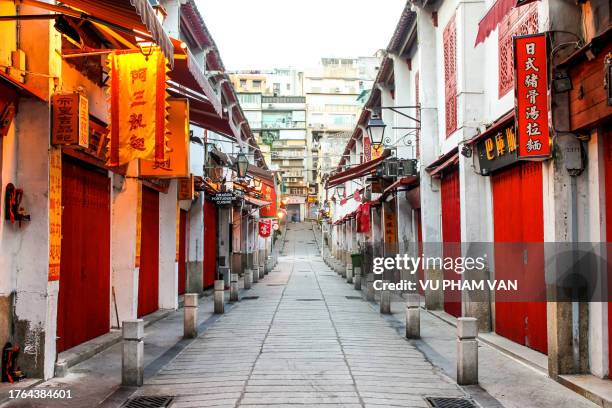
point(138, 106)
point(531, 93)
point(363, 218)
point(268, 193)
point(367, 148)
point(265, 227)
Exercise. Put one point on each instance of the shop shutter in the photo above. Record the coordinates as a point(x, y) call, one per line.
point(451, 234)
point(148, 278)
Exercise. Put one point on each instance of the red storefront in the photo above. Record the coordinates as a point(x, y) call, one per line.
point(182, 252)
point(210, 243)
point(148, 278)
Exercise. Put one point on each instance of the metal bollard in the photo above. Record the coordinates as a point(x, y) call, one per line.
point(385, 299)
point(349, 273)
point(219, 296)
point(370, 287)
point(248, 278)
point(413, 316)
point(234, 296)
point(132, 359)
point(190, 316)
point(467, 351)
point(357, 278)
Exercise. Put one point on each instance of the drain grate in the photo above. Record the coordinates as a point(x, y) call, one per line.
point(308, 300)
point(353, 297)
point(445, 402)
point(249, 297)
point(157, 401)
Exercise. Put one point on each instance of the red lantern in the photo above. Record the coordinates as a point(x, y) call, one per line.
point(265, 226)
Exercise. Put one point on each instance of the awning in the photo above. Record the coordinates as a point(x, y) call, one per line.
point(20, 88)
point(256, 201)
point(130, 14)
point(499, 124)
point(450, 159)
point(260, 173)
point(357, 171)
point(203, 114)
point(491, 20)
point(188, 73)
point(401, 182)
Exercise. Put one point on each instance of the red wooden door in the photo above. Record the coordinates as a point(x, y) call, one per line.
point(451, 235)
point(210, 243)
point(608, 174)
point(148, 278)
point(182, 256)
point(84, 287)
point(518, 224)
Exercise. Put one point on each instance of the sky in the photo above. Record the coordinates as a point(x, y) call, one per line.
point(260, 34)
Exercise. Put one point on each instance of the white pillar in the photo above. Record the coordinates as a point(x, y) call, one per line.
point(168, 267)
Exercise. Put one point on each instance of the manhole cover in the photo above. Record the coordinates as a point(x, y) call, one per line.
point(445, 402)
point(353, 297)
point(158, 401)
point(308, 300)
point(249, 297)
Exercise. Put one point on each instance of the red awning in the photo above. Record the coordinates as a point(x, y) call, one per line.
point(256, 201)
point(260, 173)
point(20, 88)
point(499, 124)
point(130, 14)
point(188, 73)
point(450, 159)
point(491, 20)
point(357, 171)
point(404, 181)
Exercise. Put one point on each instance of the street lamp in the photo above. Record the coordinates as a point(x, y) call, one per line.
point(242, 165)
point(376, 129)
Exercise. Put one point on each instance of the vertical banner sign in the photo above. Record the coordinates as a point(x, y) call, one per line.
point(186, 188)
point(377, 150)
point(531, 93)
point(55, 213)
point(265, 226)
point(138, 106)
point(367, 148)
point(138, 224)
point(390, 221)
point(177, 148)
point(70, 120)
point(268, 194)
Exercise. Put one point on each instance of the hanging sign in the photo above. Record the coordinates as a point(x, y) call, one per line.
point(265, 227)
point(70, 120)
point(186, 188)
point(367, 149)
point(268, 193)
point(55, 213)
point(223, 198)
point(177, 148)
point(531, 93)
point(137, 106)
point(377, 151)
point(498, 150)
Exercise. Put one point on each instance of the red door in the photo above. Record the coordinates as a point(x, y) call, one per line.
point(210, 243)
point(451, 235)
point(518, 219)
point(84, 287)
point(182, 258)
point(148, 279)
point(608, 168)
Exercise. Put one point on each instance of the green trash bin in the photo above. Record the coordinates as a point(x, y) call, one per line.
point(356, 259)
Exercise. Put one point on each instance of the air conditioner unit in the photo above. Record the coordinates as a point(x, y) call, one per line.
point(397, 168)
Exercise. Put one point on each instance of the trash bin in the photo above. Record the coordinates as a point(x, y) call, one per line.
point(356, 259)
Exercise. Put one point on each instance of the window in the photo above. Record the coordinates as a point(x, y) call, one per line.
point(256, 83)
point(243, 83)
point(449, 38)
point(288, 86)
point(276, 88)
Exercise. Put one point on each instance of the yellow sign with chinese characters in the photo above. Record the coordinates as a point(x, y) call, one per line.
point(177, 149)
point(138, 108)
point(55, 213)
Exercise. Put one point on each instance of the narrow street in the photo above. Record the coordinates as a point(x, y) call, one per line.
point(307, 339)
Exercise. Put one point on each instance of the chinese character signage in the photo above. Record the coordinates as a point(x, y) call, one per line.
point(55, 213)
point(531, 93)
point(377, 151)
point(70, 120)
point(138, 106)
point(265, 227)
point(367, 148)
point(268, 193)
point(177, 148)
point(186, 188)
point(498, 150)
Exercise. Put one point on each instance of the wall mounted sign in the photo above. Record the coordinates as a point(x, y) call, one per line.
point(186, 188)
point(176, 163)
point(498, 150)
point(531, 93)
point(70, 120)
point(223, 198)
point(367, 149)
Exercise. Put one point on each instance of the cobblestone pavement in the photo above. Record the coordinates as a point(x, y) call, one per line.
point(307, 340)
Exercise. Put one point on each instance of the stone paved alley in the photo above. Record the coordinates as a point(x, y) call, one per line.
point(306, 340)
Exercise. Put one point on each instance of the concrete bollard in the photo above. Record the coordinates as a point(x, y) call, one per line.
point(385, 299)
point(413, 316)
point(219, 296)
point(190, 316)
point(132, 359)
point(467, 351)
point(248, 278)
point(234, 296)
point(370, 287)
point(349, 273)
point(255, 273)
point(357, 278)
